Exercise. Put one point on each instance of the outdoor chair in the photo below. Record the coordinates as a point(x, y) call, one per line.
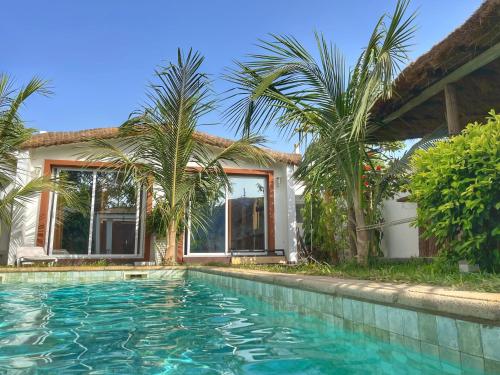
point(31, 254)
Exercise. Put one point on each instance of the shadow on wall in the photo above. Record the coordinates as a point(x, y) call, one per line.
point(401, 240)
point(17, 236)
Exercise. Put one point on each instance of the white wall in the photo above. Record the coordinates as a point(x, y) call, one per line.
point(401, 240)
point(292, 215)
point(23, 220)
point(26, 230)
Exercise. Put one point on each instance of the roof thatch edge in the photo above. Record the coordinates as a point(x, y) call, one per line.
point(50, 139)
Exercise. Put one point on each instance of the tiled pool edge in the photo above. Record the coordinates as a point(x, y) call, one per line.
point(472, 344)
point(473, 306)
point(87, 274)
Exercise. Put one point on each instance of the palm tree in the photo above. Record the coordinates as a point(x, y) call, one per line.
point(285, 85)
point(14, 192)
point(160, 150)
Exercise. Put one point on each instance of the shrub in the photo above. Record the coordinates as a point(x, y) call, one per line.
point(457, 188)
point(326, 215)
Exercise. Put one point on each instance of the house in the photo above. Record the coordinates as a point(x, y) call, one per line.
point(453, 84)
point(258, 213)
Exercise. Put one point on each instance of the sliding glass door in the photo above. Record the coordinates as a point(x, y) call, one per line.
point(247, 213)
point(114, 215)
point(239, 221)
point(71, 224)
point(211, 239)
point(107, 219)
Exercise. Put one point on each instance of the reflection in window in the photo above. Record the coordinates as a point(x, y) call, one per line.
point(211, 239)
point(114, 214)
point(238, 222)
point(299, 213)
point(247, 213)
point(71, 231)
point(112, 222)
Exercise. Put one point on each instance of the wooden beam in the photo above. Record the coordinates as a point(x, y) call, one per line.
point(484, 58)
point(452, 114)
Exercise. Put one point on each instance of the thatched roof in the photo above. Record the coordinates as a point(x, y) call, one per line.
point(79, 136)
point(478, 35)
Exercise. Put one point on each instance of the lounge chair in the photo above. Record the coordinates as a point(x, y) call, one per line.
point(32, 254)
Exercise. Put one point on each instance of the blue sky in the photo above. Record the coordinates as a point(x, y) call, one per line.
point(100, 55)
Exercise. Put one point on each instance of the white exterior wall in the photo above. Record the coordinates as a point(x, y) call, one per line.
point(23, 221)
point(24, 233)
point(292, 215)
point(401, 240)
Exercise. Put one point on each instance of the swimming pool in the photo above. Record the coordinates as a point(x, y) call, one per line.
point(184, 326)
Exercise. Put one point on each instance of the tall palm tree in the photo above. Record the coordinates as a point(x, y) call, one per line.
point(14, 192)
point(160, 150)
point(287, 86)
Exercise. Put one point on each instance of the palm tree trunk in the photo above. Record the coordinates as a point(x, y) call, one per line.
point(171, 244)
point(351, 232)
point(362, 240)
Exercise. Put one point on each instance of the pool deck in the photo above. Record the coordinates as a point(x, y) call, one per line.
point(473, 306)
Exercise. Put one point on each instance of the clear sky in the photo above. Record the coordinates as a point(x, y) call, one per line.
point(100, 55)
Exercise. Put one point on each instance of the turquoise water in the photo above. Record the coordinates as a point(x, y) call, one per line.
point(179, 327)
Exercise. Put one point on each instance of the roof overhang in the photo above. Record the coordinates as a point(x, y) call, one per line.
point(468, 59)
point(50, 139)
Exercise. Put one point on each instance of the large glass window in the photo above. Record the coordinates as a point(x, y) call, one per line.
point(238, 223)
point(211, 239)
point(247, 213)
point(115, 214)
point(71, 232)
point(106, 221)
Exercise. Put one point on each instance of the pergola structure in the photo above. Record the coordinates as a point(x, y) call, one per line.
point(456, 82)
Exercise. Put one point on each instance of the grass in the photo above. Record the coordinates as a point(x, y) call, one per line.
point(412, 272)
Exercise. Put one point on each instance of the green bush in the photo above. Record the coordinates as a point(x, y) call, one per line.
point(325, 226)
point(457, 188)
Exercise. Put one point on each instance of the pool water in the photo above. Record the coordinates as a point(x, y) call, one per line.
point(180, 327)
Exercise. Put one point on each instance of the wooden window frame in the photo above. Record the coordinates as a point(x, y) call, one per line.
point(271, 243)
point(50, 164)
point(43, 217)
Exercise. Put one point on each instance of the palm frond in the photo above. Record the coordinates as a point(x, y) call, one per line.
point(18, 195)
point(402, 165)
point(13, 133)
point(157, 145)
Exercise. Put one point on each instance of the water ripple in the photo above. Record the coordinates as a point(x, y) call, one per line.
point(178, 327)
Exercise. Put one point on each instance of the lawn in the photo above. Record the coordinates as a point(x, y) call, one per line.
point(413, 272)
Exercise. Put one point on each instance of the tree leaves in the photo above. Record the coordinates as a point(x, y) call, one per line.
point(158, 147)
point(456, 185)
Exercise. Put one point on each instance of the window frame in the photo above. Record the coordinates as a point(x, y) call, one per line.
point(268, 176)
point(46, 225)
point(187, 236)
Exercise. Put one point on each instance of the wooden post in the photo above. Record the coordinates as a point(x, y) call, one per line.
point(452, 114)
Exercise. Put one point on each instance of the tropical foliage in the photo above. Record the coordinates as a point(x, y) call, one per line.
point(457, 188)
point(158, 148)
point(326, 215)
point(325, 227)
point(17, 185)
point(286, 85)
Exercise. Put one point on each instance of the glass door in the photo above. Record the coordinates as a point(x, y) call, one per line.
point(107, 218)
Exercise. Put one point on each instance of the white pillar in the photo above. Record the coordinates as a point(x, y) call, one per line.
point(291, 217)
point(20, 215)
